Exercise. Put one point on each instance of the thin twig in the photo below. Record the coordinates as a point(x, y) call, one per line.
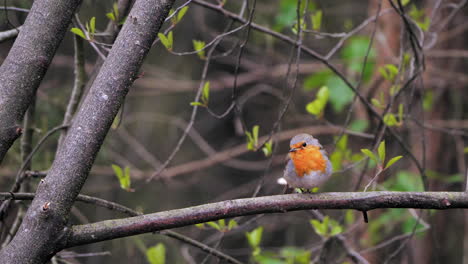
point(194, 111)
point(78, 84)
point(9, 34)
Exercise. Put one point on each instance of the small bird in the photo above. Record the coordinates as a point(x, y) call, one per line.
point(308, 166)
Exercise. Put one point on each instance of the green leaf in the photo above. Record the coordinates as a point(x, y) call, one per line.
point(325, 222)
point(318, 227)
point(264, 259)
point(255, 134)
point(340, 93)
point(376, 103)
point(123, 176)
point(78, 32)
point(115, 8)
point(392, 161)
point(317, 106)
point(359, 125)
point(181, 13)
point(369, 154)
point(232, 224)
point(420, 17)
point(114, 13)
point(349, 217)
point(127, 172)
point(166, 41)
point(465, 150)
point(201, 225)
point(199, 45)
point(118, 171)
point(394, 89)
point(250, 144)
point(116, 122)
point(206, 93)
point(317, 20)
point(406, 59)
point(171, 12)
point(424, 24)
point(428, 100)
point(392, 69)
point(122, 21)
point(256, 253)
point(295, 27)
point(342, 144)
point(254, 237)
point(455, 178)
point(381, 152)
point(304, 258)
point(389, 72)
point(317, 80)
point(170, 37)
point(92, 25)
point(323, 93)
point(111, 16)
point(252, 138)
point(405, 2)
point(390, 120)
point(156, 254)
point(354, 53)
point(295, 255)
point(222, 223)
point(268, 148)
point(214, 225)
point(337, 229)
point(400, 113)
point(286, 13)
point(404, 181)
point(384, 73)
point(408, 226)
point(336, 158)
point(196, 104)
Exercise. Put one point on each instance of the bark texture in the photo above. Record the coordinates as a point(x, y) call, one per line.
point(44, 227)
point(363, 201)
point(27, 62)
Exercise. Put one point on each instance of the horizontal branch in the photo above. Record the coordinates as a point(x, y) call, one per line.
point(362, 201)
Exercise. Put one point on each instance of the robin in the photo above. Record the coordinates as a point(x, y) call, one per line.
point(308, 165)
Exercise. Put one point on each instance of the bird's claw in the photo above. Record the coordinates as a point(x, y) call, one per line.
point(305, 190)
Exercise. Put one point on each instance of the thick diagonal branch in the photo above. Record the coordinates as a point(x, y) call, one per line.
point(27, 62)
point(111, 229)
point(43, 229)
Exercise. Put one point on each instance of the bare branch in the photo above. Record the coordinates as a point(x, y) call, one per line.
point(111, 229)
point(9, 34)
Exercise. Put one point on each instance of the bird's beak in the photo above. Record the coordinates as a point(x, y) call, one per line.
point(293, 150)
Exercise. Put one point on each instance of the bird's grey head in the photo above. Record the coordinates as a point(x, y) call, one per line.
point(308, 139)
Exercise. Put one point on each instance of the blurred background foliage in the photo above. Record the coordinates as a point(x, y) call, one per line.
point(158, 108)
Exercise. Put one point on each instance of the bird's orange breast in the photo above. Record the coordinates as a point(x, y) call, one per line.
point(308, 159)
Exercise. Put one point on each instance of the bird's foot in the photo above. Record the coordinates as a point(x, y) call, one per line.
point(305, 190)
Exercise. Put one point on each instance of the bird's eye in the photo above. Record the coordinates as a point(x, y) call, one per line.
point(304, 144)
